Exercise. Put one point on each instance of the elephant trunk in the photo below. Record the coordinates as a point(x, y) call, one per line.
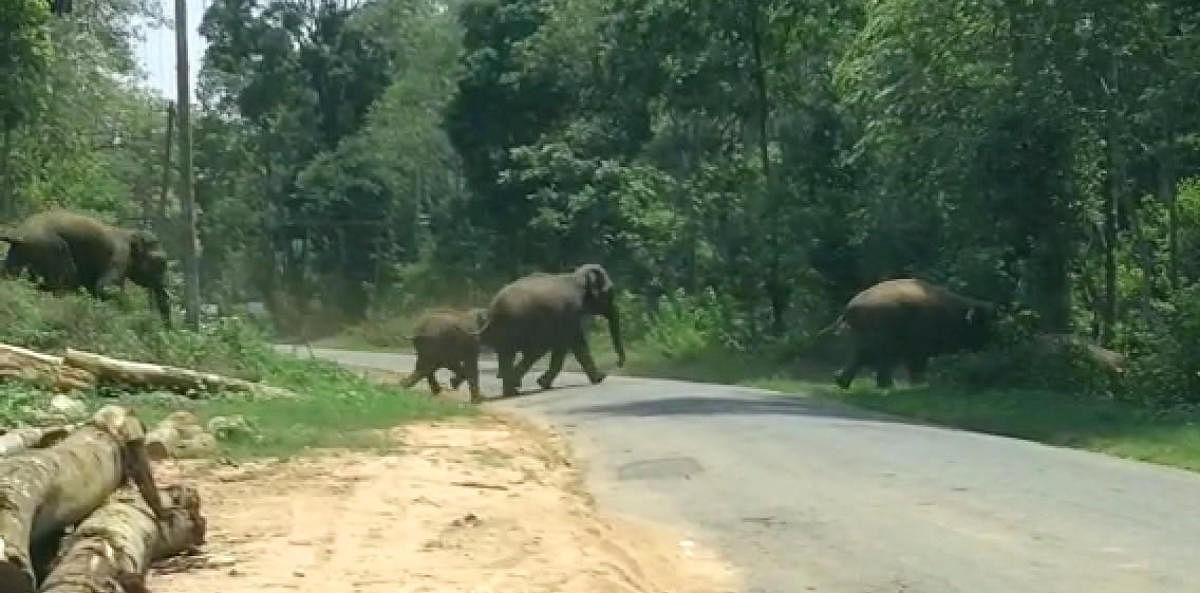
point(614, 330)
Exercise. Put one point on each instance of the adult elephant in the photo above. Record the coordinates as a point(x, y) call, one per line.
point(909, 320)
point(64, 250)
point(547, 313)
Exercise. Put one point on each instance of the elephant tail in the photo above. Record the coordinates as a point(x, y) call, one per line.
point(837, 325)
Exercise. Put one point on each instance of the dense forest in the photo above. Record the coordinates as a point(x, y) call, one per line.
point(753, 162)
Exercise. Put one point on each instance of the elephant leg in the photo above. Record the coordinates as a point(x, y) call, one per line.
point(112, 279)
point(847, 374)
point(460, 374)
point(528, 358)
point(584, 357)
point(883, 372)
point(505, 358)
point(420, 370)
point(916, 368)
point(557, 357)
point(431, 377)
point(471, 370)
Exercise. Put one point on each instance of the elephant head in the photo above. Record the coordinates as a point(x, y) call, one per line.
point(599, 299)
point(148, 268)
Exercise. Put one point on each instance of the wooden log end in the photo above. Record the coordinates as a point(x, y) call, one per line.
point(16, 570)
point(183, 514)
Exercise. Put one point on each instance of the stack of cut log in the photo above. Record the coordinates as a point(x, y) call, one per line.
point(79, 370)
point(80, 510)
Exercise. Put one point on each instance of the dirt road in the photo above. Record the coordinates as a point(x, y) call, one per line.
point(805, 496)
point(473, 506)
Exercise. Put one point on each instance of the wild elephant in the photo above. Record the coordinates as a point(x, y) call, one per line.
point(547, 313)
point(448, 339)
point(64, 251)
point(909, 320)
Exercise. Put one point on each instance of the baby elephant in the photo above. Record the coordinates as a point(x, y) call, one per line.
point(448, 339)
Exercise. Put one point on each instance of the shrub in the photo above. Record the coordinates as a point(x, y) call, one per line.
point(1020, 358)
point(1164, 367)
point(126, 328)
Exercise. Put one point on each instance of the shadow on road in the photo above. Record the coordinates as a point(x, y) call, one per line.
point(746, 406)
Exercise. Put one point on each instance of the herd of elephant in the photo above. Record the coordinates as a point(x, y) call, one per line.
point(896, 321)
point(902, 321)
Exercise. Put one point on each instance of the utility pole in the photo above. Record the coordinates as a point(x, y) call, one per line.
point(191, 261)
point(160, 218)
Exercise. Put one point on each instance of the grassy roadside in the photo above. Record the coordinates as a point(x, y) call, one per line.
point(1168, 437)
point(335, 407)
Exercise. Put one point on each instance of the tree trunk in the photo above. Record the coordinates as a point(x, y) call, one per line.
point(1146, 259)
point(185, 381)
point(1166, 192)
point(44, 491)
point(6, 183)
point(117, 543)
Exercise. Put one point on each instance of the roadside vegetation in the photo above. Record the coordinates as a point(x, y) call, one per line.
point(740, 169)
point(334, 408)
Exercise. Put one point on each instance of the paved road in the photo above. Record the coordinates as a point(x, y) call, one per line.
point(807, 496)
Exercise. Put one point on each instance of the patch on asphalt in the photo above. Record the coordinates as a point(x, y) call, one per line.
point(663, 467)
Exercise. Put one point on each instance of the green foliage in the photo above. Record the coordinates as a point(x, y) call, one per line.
point(1018, 358)
point(126, 329)
point(25, 52)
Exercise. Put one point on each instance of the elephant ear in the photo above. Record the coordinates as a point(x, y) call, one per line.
point(142, 242)
point(596, 283)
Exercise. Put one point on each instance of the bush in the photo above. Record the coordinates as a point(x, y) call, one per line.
point(1021, 359)
point(126, 328)
point(684, 327)
point(1164, 367)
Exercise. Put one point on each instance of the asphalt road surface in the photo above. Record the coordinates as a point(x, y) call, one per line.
point(804, 495)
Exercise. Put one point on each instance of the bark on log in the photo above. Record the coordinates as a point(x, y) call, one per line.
point(186, 381)
point(28, 365)
point(20, 439)
point(172, 434)
point(46, 490)
point(111, 551)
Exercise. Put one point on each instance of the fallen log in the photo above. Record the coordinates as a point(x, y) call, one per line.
point(28, 365)
point(113, 548)
point(20, 439)
point(144, 374)
point(45, 490)
point(172, 434)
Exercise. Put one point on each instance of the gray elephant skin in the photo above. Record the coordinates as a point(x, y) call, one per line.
point(908, 321)
point(543, 313)
point(64, 250)
point(448, 339)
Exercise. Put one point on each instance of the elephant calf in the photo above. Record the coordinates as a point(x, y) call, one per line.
point(908, 320)
point(64, 251)
point(448, 339)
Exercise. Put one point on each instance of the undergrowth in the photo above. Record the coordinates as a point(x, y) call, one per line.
point(334, 407)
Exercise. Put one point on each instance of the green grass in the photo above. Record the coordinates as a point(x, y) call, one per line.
point(335, 409)
point(1169, 437)
point(1092, 423)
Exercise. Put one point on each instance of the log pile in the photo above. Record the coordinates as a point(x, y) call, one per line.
point(94, 480)
point(80, 370)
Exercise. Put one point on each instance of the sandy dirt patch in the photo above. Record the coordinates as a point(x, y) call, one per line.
point(482, 505)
